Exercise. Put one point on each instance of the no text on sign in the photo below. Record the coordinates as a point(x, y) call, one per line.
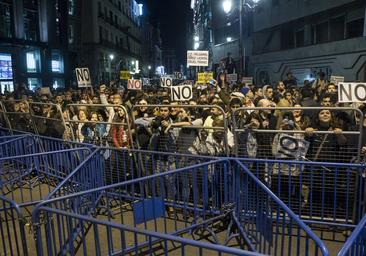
point(197, 58)
point(181, 92)
point(83, 77)
point(351, 92)
point(133, 84)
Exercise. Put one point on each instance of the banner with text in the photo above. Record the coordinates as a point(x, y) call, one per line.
point(134, 84)
point(197, 58)
point(204, 78)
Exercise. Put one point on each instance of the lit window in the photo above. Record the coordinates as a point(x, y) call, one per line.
point(31, 63)
point(34, 83)
point(6, 67)
point(58, 83)
point(57, 62)
point(71, 7)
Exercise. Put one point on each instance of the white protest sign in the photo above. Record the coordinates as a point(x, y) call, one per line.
point(231, 78)
point(46, 90)
point(351, 92)
point(197, 58)
point(146, 82)
point(247, 80)
point(83, 77)
point(166, 81)
point(134, 84)
point(178, 75)
point(336, 79)
point(181, 92)
point(292, 146)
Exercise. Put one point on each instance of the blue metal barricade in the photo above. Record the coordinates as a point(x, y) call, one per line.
point(213, 201)
point(325, 194)
point(356, 243)
point(25, 181)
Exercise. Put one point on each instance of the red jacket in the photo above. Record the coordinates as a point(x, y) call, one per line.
point(120, 137)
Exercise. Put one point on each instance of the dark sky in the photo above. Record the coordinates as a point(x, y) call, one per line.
point(174, 17)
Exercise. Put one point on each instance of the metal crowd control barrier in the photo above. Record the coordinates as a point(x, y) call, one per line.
point(322, 144)
point(327, 196)
point(25, 181)
point(49, 120)
point(110, 125)
point(203, 200)
point(4, 121)
point(188, 133)
point(356, 243)
point(18, 145)
point(19, 117)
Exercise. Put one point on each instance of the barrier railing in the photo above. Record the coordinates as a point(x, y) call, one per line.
point(272, 133)
point(19, 116)
point(356, 243)
point(49, 120)
point(193, 209)
point(189, 129)
point(100, 124)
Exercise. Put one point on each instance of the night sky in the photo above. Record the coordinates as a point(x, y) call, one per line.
point(174, 17)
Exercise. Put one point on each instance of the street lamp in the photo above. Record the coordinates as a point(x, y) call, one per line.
point(111, 56)
point(227, 5)
point(250, 5)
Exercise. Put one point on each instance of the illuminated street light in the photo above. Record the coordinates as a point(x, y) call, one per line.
point(228, 39)
point(196, 45)
point(111, 56)
point(149, 67)
point(227, 5)
point(196, 38)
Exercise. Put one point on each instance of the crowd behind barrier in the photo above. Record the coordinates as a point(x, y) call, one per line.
point(294, 165)
point(298, 123)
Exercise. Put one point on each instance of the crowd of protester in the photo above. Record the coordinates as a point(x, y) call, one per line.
point(205, 125)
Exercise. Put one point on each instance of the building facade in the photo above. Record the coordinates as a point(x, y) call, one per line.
point(306, 37)
point(33, 43)
point(279, 36)
point(152, 50)
point(110, 38)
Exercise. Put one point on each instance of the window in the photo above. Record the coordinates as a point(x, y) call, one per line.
point(6, 86)
point(5, 20)
point(300, 38)
point(33, 62)
point(30, 24)
point(71, 34)
point(100, 34)
point(58, 83)
point(6, 67)
point(355, 28)
point(322, 33)
point(71, 7)
point(337, 28)
point(287, 38)
point(34, 83)
point(57, 62)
